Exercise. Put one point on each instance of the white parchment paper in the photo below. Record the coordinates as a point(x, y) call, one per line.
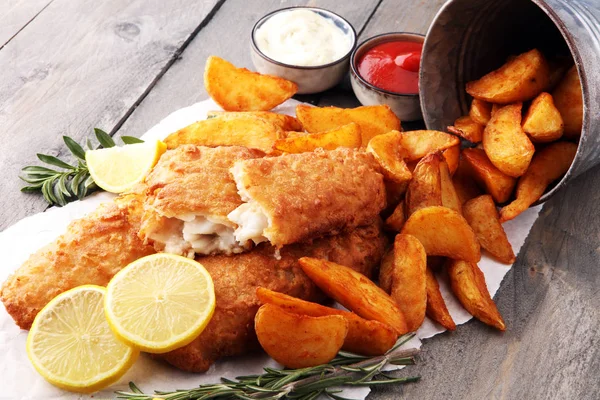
point(19, 380)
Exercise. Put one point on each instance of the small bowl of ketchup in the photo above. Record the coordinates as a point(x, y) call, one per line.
point(385, 70)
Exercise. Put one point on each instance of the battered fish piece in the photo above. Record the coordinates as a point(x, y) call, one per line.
point(298, 197)
point(93, 249)
point(190, 192)
point(231, 329)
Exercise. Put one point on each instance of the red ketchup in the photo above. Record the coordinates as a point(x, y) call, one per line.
point(392, 66)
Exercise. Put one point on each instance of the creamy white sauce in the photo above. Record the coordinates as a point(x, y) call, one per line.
point(302, 37)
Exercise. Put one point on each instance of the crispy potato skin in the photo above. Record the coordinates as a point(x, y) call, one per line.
point(482, 215)
point(505, 143)
point(230, 332)
point(436, 306)
point(425, 189)
point(390, 156)
point(373, 120)
point(443, 232)
point(496, 183)
point(345, 136)
point(547, 165)
point(366, 337)
point(468, 284)
point(299, 341)
point(417, 144)
point(452, 156)
point(91, 251)
point(468, 129)
point(450, 197)
point(405, 277)
point(464, 183)
point(313, 194)
point(396, 220)
point(542, 121)
point(231, 129)
point(568, 98)
point(355, 292)
point(238, 89)
point(520, 79)
point(282, 121)
point(480, 111)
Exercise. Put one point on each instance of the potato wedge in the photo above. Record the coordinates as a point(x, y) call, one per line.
point(373, 120)
point(542, 121)
point(496, 183)
point(464, 184)
point(403, 275)
point(394, 193)
point(480, 111)
point(436, 306)
point(387, 151)
point(505, 143)
point(355, 292)
point(452, 156)
point(519, 79)
point(344, 136)
point(299, 341)
point(443, 232)
point(417, 144)
point(468, 284)
point(238, 89)
point(282, 121)
point(548, 165)
point(468, 129)
point(450, 198)
point(234, 130)
point(425, 189)
point(396, 220)
point(369, 338)
point(482, 215)
point(568, 98)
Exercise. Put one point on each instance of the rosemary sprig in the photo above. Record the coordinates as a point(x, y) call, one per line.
point(301, 384)
point(70, 182)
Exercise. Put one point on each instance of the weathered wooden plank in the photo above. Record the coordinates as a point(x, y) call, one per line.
point(228, 36)
point(16, 14)
point(89, 73)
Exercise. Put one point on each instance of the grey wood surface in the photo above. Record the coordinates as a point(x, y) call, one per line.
point(124, 66)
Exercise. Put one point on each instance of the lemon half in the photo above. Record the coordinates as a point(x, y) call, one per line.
point(118, 169)
point(71, 345)
point(160, 302)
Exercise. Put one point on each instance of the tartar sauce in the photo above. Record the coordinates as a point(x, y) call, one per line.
point(302, 37)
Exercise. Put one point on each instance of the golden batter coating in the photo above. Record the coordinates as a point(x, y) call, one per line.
point(308, 195)
point(93, 249)
point(236, 278)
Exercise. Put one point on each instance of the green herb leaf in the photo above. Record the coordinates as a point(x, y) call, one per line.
point(131, 140)
point(104, 138)
point(48, 159)
point(74, 147)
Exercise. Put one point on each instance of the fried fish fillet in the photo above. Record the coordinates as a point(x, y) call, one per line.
point(93, 249)
point(236, 278)
point(190, 192)
point(297, 197)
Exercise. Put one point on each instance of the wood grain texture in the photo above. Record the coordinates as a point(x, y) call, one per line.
point(78, 65)
point(16, 14)
point(227, 36)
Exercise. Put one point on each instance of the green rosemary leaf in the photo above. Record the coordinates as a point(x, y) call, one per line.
point(48, 159)
point(34, 169)
point(61, 185)
point(48, 192)
point(74, 148)
point(77, 179)
point(131, 140)
point(32, 178)
point(31, 189)
point(89, 144)
point(89, 182)
point(104, 138)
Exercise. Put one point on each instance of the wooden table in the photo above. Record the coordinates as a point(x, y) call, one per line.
point(71, 65)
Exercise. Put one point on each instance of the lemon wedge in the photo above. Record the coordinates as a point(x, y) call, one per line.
point(71, 345)
point(160, 302)
point(118, 169)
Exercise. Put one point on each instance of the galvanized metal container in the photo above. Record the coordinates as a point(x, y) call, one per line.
point(469, 38)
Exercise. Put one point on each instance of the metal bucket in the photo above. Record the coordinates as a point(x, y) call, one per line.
point(469, 38)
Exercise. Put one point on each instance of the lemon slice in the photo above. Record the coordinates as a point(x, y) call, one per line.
point(160, 302)
point(71, 345)
point(118, 169)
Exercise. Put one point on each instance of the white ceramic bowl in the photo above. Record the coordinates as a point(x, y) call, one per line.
point(405, 105)
point(309, 79)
